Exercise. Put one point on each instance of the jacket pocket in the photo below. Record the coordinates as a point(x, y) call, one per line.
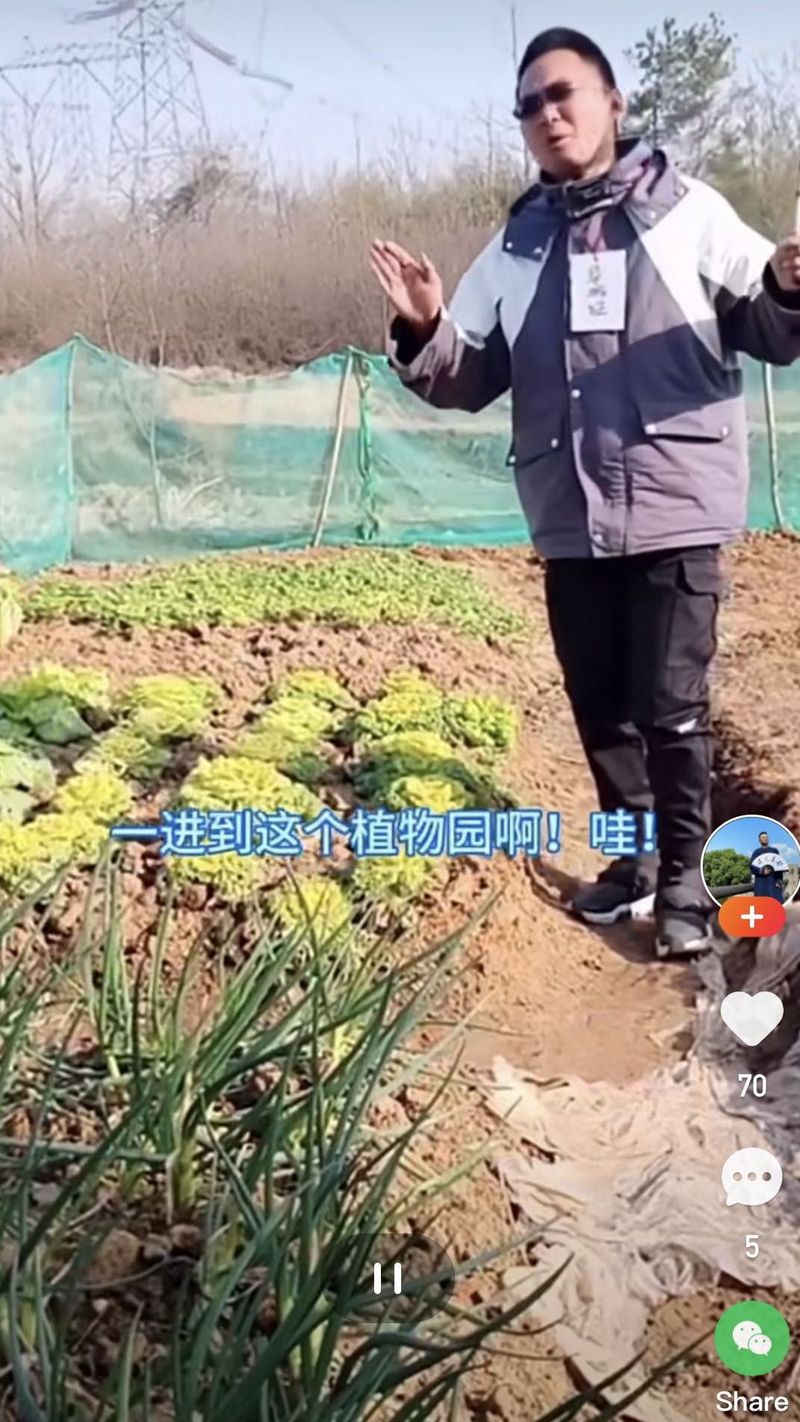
point(545, 436)
point(661, 421)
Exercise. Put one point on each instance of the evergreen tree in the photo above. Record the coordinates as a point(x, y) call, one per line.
point(680, 99)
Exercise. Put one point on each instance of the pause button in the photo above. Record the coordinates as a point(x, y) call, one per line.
point(406, 1276)
point(397, 1278)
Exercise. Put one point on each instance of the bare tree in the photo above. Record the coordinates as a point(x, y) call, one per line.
point(33, 182)
point(758, 163)
point(771, 134)
point(213, 178)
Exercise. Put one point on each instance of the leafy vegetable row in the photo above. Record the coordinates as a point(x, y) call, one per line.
point(352, 588)
point(412, 745)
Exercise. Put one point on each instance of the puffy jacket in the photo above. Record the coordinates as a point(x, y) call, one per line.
point(623, 441)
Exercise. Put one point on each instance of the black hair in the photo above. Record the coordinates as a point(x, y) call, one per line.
point(562, 38)
point(766, 832)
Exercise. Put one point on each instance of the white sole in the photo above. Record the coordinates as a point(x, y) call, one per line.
point(640, 908)
point(695, 945)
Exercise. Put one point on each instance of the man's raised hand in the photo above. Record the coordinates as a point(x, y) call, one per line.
point(414, 288)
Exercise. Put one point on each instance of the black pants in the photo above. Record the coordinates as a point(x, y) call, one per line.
point(635, 637)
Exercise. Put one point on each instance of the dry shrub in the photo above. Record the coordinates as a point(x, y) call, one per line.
point(260, 281)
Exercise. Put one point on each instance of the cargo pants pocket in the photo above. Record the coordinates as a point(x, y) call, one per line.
point(675, 629)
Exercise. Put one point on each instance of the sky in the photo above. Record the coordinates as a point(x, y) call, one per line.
point(362, 71)
point(742, 834)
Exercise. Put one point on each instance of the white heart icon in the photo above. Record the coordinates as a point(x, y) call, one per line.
point(751, 1018)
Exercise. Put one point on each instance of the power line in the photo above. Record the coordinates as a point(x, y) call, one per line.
point(157, 113)
point(373, 58)
point(262, 32)
point(372, 120)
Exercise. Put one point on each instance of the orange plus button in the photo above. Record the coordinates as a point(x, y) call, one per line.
point(746, 916)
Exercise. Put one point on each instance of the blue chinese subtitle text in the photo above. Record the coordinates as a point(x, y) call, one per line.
point(381, 833)
point(616, 832)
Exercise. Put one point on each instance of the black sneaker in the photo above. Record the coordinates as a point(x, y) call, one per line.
point(682, 933)
point(621, 891)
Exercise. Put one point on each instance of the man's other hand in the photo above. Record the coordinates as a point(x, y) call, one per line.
point(785, 263)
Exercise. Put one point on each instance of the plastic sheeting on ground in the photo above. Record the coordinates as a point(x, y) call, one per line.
point(627, 1180)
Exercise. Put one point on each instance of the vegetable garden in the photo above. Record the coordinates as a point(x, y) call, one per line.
point(223, 1075)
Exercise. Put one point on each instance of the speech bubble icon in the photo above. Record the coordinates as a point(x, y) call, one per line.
point(760, 1344)
point(751, 1018)
point(751, 1177)
point(744, 1331)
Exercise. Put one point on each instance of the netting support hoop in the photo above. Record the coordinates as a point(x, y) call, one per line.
point(772, 445)
point(70, 463)
point(337, 449)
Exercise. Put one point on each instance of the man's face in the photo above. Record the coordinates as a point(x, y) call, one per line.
point(579, 121)
point(763, 839)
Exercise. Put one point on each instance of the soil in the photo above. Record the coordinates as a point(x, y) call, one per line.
point(549, 994)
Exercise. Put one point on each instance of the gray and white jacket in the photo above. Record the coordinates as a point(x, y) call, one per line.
point(623, 441)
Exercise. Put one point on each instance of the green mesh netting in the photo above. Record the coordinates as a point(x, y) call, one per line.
point(103, 460)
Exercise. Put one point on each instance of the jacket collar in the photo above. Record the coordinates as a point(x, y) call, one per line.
point(577, 199)
point(641, 177)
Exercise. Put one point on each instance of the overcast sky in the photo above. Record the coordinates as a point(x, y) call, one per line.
point(427, 65)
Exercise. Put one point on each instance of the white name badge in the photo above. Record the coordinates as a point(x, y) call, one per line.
point(597, 291)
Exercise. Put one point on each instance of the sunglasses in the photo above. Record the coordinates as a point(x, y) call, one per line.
point(560, 92)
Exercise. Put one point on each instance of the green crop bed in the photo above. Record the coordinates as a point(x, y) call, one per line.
point(369, 587)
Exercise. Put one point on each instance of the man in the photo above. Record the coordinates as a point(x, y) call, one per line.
point(767, 881)
point(613, 303)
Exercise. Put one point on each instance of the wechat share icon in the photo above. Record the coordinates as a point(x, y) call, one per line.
point(752, 1338)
